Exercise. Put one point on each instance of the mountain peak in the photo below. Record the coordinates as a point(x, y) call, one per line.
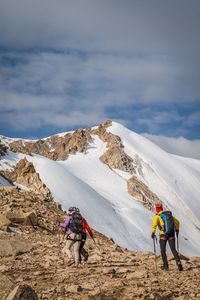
point(115, 174)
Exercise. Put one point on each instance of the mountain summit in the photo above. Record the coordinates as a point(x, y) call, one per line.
point(114, 175)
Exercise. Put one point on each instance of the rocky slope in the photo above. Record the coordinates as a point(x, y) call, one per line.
point(33, 258)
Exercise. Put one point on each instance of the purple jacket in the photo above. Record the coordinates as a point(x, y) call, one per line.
point(66, 224)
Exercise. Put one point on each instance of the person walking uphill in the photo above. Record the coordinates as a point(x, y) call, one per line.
point(86, 228)
point(74, 228)
point(167, 225)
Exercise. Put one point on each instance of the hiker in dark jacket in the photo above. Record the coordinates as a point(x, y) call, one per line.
point(86, 228)
point(159, 222)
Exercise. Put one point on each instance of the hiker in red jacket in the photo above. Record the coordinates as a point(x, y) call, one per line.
point(86, 228)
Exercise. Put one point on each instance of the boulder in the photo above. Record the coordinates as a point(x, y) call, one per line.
point(4, 223)
point(29, 218)
point(14, 247)
point(139, 274)
point(6, 286)
point(22, 292)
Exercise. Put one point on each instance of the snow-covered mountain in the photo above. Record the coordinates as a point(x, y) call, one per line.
point(115, 176)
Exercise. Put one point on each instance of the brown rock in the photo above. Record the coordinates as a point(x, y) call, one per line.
point(139, 274)
point(79, 288)
point(4, 223)
point(29, 218)
point(114, 157)
point(3, 149)
point(14, 247)
point(109, 271)
point(24, 173)
point(156, 296)
point(79, 141)
point(6, 286)
point(56, 147)
point(117, 248)
point(141, 192)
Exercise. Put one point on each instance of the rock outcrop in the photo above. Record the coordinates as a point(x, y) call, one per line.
point(27, 208)
point(141, 193)
point(24, 173)
point(3, 149)
point(56, 147)
point(114, 157)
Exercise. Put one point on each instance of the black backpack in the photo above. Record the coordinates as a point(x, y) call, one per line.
point(169, 225)
point(76, 223)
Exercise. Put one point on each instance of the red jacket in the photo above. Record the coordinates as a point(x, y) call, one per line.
point(86, 227)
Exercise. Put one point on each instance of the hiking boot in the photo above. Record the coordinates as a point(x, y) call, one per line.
point(179, 265)
point(86, 257)
point(165, 268)
point(77, 265)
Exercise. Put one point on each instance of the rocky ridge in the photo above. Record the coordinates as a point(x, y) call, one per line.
point(114, 157)
point(56, 147)
point(59, 147)
point(111, 272)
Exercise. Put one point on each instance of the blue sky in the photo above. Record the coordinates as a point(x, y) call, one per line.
point(70, 64)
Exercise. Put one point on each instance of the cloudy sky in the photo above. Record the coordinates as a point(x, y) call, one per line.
point(66, 64)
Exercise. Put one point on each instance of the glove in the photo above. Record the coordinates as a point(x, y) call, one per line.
point(177, 233)
point(153, 235)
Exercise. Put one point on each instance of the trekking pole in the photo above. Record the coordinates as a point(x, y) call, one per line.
point(154, 246)
point(177, 244)
point(97, 246)
point(94, 240)
point(63, 236)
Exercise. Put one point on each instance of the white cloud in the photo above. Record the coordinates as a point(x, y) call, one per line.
point(179, 146)
point(122, 25)
point(70, 84)
point(79, 59)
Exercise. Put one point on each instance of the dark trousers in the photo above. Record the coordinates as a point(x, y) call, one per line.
point(83, 252)
point(163, 243)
